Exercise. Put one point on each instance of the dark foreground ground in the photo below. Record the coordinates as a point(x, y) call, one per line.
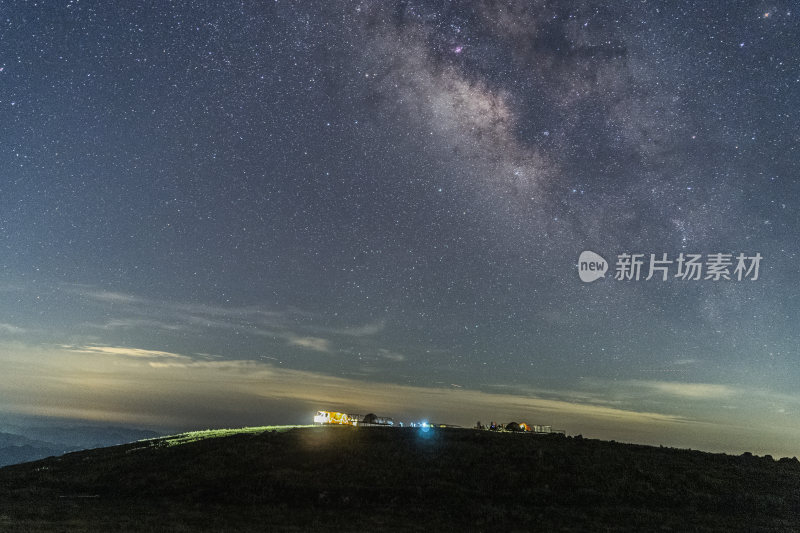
point(368, 479)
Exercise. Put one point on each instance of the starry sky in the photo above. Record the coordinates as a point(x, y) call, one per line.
point(229, 213)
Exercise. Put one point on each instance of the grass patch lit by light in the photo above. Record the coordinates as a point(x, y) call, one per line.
point(192, 436)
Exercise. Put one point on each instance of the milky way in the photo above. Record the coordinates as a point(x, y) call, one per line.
point(391, 197)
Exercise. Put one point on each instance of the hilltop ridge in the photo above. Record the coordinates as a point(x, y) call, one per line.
point(372, 478)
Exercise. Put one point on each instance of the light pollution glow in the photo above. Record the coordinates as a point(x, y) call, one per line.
point(171, 391)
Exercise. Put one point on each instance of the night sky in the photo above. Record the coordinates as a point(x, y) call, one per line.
point(230, 213)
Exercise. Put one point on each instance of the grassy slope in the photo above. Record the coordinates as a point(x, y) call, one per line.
point(381, 478)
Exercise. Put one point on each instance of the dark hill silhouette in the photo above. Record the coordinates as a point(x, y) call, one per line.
point(372, 478)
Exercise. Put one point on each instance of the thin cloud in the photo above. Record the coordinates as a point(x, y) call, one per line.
point(317, 344)
point(113, 297)
point(391, 355)
point(12, 329)
point(127, 352)
point(130, 323)
point(687, 390)
point(136, 311)
point(365, 330)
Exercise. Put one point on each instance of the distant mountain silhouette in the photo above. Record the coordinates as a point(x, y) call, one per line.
point(32, 443)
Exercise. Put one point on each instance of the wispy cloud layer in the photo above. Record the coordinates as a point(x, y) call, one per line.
point(295, 326)
point(141, 361)
point(127, 352)
point(687, 390)
point(11, 329)
point(166, 389)
point(312, 343)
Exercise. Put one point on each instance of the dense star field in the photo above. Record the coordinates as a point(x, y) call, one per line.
point(221, 213)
